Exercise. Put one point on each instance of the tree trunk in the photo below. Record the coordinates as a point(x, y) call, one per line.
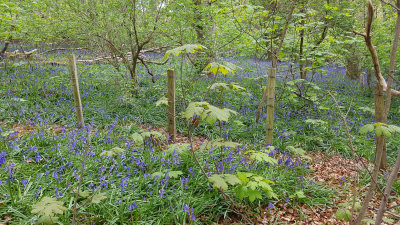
point(271, 102)
point(303, 74)
point(380, 141)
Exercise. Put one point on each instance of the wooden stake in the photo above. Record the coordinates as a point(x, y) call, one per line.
point(171, 104)
point(75, 89)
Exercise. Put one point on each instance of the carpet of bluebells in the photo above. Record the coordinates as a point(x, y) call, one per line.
point(41, 150)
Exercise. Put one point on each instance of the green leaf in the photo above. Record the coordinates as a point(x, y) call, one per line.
point(84, 194)
point(315, 122)
point(262, 157)
point(366, 128)
point(98, 197)
point(181, 148)
point(222, 180)
point(48, 207)
point(45, 219)
point(253, 195)
point(163, 101)
point(185, 49)
point(112, 152)
point(379, 131)
point(343, 214)
point(299, 194)
point(232, 179)
point(388, 220)
point(136, 137)
point(174, 174)
point(218, 181)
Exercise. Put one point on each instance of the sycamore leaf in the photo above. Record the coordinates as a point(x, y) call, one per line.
point(219, 86)
point(367, 110)
point(98, 197)
point(174, 174)
point(394, 129)
point(231, 179)
point(181, 148)
point(222, 180)
point(315, 122)
point(163, 101)
point(254, 194)
point(219, 143)
point(45, 219)
point(298, 151)
point(48, 207)
point(112, 152)
point(148, 134)
point(84, 194)
point(171, 174)
point(218, 181)
point(137, 138)
point(343, 214)
point(366, 128)
point(184, 49)
point(217, 67)
point(262, 157)
point(157, 174)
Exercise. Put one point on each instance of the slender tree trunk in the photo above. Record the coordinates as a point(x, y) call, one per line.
point(303, 74)
point(271, 101)
point(380, 141)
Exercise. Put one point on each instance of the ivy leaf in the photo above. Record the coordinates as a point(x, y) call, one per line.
point(48, 207)
point(366, 128)
point(98, 197)
point(343, 214)
point(184, 49)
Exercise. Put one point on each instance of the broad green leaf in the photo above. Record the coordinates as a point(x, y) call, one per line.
point(218, 182)
point(366, 128)
point(137, 138)
point(181, 148)
point(263, 157)
point(174, 174)
point(222, 180)
point(232, 179)
point(84, 194)
point(343, 214)
point(45, 219)
point(253, 195)
point(185, 49)
point(48, 207)
point(163, 101)
point(98, 197)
